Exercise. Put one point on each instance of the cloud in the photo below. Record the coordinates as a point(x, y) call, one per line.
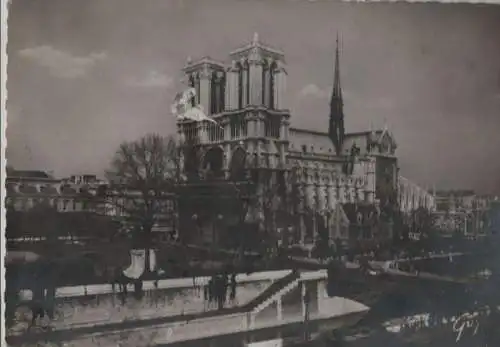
point(151, 80)
point(313, 91)
point(61, 64)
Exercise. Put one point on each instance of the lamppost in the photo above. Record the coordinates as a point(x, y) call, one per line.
point(306, 300)
point(216, 223)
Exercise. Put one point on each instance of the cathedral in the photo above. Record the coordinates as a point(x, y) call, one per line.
point(297, 184)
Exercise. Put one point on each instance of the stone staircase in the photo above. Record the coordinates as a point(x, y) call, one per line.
point(278, 289)
point(285, 290)
point(270, 292)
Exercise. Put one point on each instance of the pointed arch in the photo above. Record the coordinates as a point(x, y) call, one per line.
point(239, 67)
point(213, 161)
point(197, 88)
point(272, 75)
point(246, 68)
point(265, 77)
point(238, 163)
point(191, 83)
point(191, 161)
point(214, 93)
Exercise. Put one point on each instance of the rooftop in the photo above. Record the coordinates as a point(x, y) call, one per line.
point(37, 174)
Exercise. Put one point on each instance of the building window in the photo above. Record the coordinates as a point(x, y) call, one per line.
point(197, 88)
point(247, 82)
point(272, 76)
point(265, 74)
point(192, 85)
point(240, 85)
point(214, 93)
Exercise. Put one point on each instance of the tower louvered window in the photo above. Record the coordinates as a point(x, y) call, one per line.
point(240, 86)
point(214, 93)
point(192, 85)
point(272, 76)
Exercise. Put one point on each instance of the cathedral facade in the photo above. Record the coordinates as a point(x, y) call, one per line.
point(334, 185)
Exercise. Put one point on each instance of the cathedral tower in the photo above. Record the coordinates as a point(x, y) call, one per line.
point(257, 77)
point(256, 105)
point(208, 78)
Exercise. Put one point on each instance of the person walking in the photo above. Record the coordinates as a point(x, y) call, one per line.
point(211, 291)
point(225, 287)
point(219, 290)
point(232, 296)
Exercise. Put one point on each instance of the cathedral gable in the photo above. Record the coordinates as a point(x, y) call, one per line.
point(387, 143)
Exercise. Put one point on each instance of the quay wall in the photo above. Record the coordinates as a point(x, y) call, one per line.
point(97, 304)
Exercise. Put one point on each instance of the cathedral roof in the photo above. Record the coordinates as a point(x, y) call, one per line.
point(36, 174)
point(311, 141)
point(319, 142)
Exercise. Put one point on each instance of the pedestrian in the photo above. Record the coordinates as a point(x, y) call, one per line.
point(206, 295)
point(232, 297)
point(225, 285)
point(211, 291)
point(219, 289)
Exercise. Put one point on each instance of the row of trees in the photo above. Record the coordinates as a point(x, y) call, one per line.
point(45, 222)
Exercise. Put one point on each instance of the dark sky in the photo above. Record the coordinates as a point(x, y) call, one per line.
point(84, 75)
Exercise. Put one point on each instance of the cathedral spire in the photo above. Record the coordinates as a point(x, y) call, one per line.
point(336, 125)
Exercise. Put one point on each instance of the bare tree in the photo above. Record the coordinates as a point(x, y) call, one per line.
point(270, 205)
point(142, 179)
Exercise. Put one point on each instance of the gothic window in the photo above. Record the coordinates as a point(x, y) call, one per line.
point(214, 162)
point(192, 85)
point(272, 76)
point(247, 81)
point(240, 85)
point(238, 164)
point(197, 87)
point(265, 74)
point(214, 93)
point(191, 160)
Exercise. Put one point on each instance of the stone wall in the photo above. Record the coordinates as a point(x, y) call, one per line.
point(173, 297)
